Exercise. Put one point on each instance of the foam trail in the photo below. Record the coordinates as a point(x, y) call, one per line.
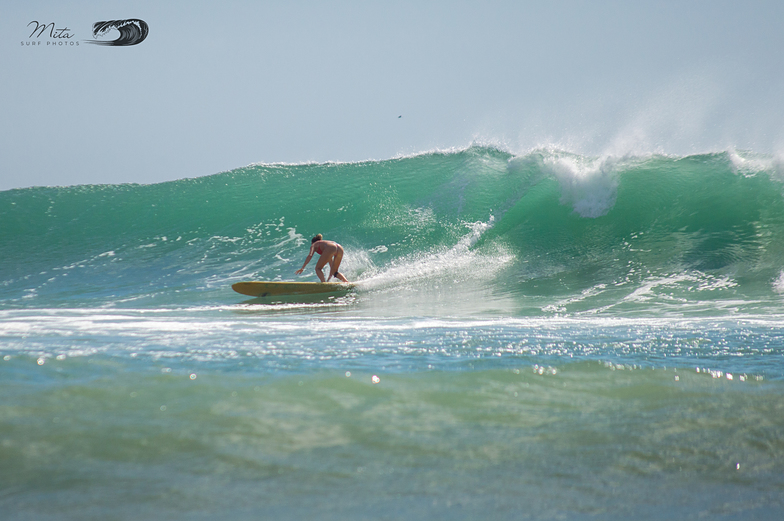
point(459, 261)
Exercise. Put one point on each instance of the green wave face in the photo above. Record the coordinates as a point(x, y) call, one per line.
point(475, 229)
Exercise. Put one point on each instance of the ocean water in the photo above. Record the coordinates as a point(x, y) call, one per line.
point(536, 336)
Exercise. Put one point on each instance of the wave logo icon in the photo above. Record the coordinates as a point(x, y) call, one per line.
point(131, 32)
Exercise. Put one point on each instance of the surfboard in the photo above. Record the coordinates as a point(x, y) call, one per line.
point(266, 289)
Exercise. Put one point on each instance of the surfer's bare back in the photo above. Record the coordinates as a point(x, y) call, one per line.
point(330, 252)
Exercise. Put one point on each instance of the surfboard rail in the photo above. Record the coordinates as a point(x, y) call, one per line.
point(259, 288)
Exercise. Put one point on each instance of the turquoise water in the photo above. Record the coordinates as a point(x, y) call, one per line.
point(545, 336)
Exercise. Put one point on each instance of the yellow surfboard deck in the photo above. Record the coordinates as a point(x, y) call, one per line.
point(265, 289)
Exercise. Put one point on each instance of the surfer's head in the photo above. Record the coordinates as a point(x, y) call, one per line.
point(316, 238)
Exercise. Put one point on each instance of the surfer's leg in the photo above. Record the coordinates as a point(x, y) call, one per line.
point(320, 266)
point(335, 264)
point(332, 268)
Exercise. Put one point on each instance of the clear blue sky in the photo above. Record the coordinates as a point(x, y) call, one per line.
point(219, 85)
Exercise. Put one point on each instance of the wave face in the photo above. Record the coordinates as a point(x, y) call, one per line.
point(467, 231)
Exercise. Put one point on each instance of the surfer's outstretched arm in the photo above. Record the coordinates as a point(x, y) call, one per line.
point(310, 256)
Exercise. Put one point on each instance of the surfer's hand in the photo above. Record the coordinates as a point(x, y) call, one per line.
point(299, 271)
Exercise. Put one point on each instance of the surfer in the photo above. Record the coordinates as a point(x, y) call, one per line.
point(330, 252)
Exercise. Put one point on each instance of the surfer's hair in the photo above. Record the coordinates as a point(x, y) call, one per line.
point(316, 238)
